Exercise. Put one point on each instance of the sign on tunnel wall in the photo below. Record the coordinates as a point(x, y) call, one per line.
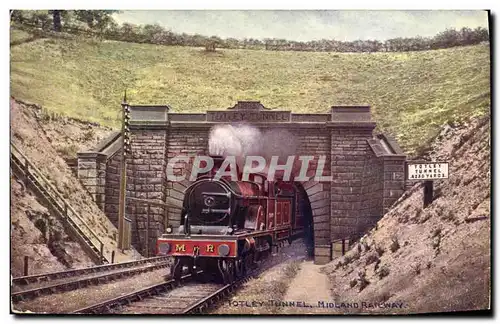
point(248, 116)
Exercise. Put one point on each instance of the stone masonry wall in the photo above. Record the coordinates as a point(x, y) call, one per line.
point(145, 179)
point(394, 183)
point(349, 150)
point(113, 188)
point(190, 142)
point(372, 192)
point(92, 174)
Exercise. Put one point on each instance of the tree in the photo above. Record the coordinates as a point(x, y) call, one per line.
point(466, 36)
point(481, 34)
point(199, 40)
point(16, 16)
point(447, 38)
point(212, 43)
point(154, 34)
point(232, 43)
point(129, 32)
point(41, 18)
point(95, 19)
point(113, 30)
point(56, 18)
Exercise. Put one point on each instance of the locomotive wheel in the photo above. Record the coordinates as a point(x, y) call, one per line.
point(240, 267)
point(176, 269)
point(231, 271)
point(193, 268)
point(226, 268)
point(249, 262)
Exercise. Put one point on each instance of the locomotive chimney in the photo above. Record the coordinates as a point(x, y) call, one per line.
point(218, 160)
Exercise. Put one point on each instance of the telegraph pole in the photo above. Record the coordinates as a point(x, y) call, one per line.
point(126, 150)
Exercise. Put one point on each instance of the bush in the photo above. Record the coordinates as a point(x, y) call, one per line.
point(68, 151)
point(384, 272)
point(88, 135)
point(371, 258)
point(416, 268)
point(395, 244)
point(380, 250)
point(363, 282)
point(366, 246)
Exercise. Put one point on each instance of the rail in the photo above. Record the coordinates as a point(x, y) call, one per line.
point(148, 297)
point(31, 175)
point(26, 280)
point(75, 279)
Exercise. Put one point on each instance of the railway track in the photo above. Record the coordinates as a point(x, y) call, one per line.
point(172, 297)
point(29, 287)
point(185, 296)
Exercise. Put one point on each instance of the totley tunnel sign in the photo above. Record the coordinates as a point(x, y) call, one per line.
point(249, 116)
point(427, 170)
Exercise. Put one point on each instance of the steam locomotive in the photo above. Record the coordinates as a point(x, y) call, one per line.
point(226, 226)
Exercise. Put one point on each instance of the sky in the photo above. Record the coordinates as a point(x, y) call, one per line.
point(304, 25)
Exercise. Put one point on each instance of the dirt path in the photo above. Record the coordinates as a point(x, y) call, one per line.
point(307, 288)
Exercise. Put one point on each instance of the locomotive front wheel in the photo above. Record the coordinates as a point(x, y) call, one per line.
point(176, 269)
point(240, 267)
point(227, 268)
point(231, 272)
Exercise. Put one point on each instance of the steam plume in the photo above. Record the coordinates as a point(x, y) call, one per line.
point(238, 140)
point(244, 140)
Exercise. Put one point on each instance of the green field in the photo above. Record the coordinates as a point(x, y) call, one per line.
point(411, 94)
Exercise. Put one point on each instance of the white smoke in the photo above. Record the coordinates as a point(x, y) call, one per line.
point(238, 140)
point(244, 140)
point(279, 142)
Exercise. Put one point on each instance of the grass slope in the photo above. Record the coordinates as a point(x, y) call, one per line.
point(411, 94)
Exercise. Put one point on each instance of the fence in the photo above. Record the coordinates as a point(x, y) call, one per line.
point(77, 227)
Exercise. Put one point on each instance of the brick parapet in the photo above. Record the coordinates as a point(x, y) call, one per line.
point(92, 174)
point(394, 180)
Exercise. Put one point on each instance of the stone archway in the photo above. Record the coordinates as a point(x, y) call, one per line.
point(319, 199)
point(304, 208)
point(367, 172)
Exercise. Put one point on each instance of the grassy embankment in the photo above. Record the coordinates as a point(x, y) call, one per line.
point(411, 94)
